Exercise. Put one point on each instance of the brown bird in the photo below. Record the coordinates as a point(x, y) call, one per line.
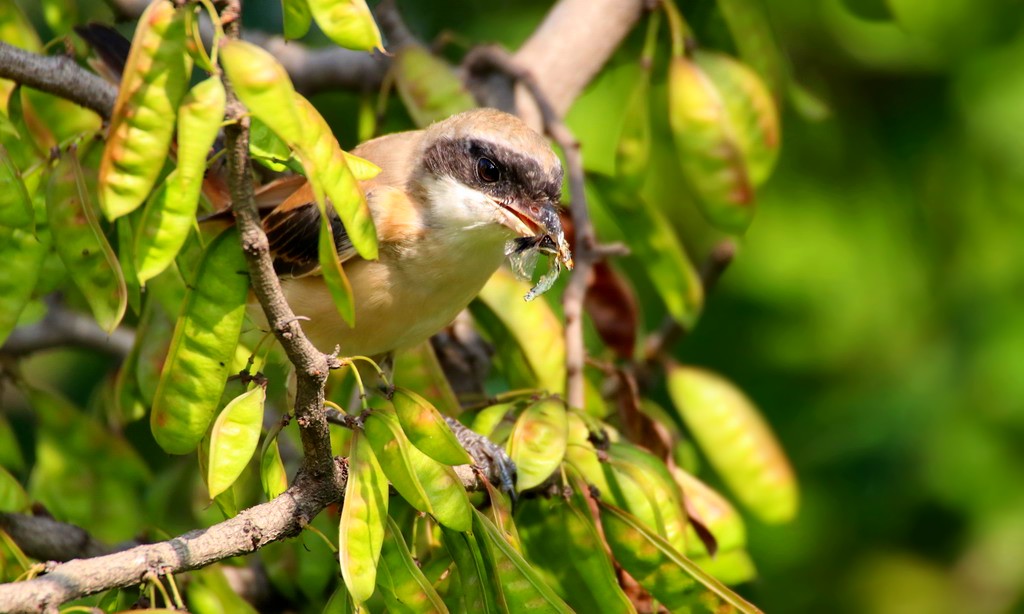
point(448, 199)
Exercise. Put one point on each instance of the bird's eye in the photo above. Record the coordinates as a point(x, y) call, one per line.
point(487, 170)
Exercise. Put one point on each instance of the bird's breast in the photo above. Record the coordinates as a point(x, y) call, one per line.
point(414, 290)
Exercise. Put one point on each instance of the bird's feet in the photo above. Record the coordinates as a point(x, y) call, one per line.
point(489, 456)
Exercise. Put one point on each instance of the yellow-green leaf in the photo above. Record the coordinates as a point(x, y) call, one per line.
point(154, 81)
point(297, 18)
point(533, 326)
point(348, 23)
point(427, 429)
point(538, 442)
point(364, 512)
point(264, 87)
point(427, 85)
point(327, 168)
point(737, 441)
point(198, 363)
point(234, 438)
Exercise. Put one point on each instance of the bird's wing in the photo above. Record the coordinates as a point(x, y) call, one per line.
point(292, 225)
point(291, 217)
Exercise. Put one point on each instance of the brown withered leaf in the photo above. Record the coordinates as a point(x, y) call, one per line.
point(612, 308)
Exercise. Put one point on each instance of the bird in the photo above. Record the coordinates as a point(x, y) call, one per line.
point(448, 199)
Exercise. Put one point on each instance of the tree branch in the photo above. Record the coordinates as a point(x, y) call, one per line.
point(311, 365)
point(247, 532)
point(63, 327)
point(314, 70)
point(46, 539)
point(568, 49)
point(57, 75)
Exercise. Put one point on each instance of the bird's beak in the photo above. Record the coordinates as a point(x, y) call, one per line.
point(528, 219)
point(542, 226)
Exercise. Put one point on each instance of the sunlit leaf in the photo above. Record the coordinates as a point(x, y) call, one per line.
point(348, 23)
point(233, 439)
point(82, 245)
point(427, 429)
point(154, 81)
point(656, 565)
point(737, 441)
point(363, 516)
point(537, 443)
point(428, 86)
point(521, 587)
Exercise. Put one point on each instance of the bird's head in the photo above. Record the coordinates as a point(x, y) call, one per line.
point(487, 169)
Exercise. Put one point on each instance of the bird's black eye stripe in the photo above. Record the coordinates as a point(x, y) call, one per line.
point(487, 170)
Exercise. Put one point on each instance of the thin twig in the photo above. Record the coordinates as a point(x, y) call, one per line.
point(586, 252)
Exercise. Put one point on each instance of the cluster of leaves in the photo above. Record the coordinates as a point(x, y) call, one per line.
point(111, 224)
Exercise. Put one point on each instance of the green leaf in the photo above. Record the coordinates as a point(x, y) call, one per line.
point(264, 87)
point(15, 202)
point(170, 215)
point(297, 18)
point(421, 371)
point(656, 565)
point(655, 245)
point(475, 580)
point(154, 80)
point(205, 337)
point(361, 530)
point(538, 441)
point(427, 429)
point(327, 169)
point(410, 587)
point(234, 438)
point(561, 539)
point(533, 326)
point(391, 447)
point(348, 23)
point(81, 244)
point(273, 477)
point(737, 441)
point(751, 110)
point(656, 499)
point(13, 497)
point(522, 590)
point(23, 255)
point(427, 85)
point(332, 272)
point(426, 484)
point(713, 511)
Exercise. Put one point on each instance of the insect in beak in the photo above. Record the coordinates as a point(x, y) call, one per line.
point(547, 239)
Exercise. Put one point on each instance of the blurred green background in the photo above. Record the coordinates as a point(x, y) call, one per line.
point(875, 311)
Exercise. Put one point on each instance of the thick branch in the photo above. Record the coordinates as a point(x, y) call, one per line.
point(46, 539)
point(568, 49)
point(324, 69)
point(63, 327)
point(247, 532)
point(58, 75)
